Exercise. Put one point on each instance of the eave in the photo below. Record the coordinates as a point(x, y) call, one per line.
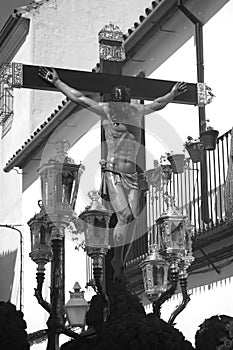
point(162, 32)
point(39, 136)
point(12, 36)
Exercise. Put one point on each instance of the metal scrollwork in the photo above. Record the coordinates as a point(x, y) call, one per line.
point(111, 46)
point(111, 53)
point(228, 193)
point(12, 74)
point(204, 94)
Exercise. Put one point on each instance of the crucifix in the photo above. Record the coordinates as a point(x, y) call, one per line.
point(112, 57)
point(117, 124)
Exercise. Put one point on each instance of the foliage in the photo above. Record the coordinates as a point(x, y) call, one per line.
point(12, 328)
point(215, 333)
point(129, 328)
point(190, 141)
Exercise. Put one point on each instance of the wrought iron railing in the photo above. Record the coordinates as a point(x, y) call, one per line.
point(6, 102)
point(186, 187)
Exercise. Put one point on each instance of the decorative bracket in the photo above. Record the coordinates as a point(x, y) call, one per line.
point(12, 74)
point(204, 94)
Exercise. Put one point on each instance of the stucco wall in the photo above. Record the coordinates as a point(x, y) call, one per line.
point(65, 34)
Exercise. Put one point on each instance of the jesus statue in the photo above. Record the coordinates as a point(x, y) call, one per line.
point(122, 123)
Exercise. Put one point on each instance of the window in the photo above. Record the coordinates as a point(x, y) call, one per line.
point(6, 103)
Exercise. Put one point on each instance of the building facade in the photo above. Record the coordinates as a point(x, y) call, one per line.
point(63, 34)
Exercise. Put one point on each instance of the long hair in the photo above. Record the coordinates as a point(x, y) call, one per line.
point(120, 93)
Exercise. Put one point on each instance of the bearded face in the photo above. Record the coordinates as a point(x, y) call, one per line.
point(119, 102)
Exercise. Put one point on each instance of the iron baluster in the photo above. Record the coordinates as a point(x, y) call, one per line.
point(185, 190)
point(198, 206)
point(223, 160)
point(215, 189)
point(220, 185)
point(211, 191)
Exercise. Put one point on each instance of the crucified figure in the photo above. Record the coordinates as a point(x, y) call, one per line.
point(122, 123)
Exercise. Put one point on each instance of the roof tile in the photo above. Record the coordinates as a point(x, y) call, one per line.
point(148, 11)
point(141, 18)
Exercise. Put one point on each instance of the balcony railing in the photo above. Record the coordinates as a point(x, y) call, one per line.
point(186, 187)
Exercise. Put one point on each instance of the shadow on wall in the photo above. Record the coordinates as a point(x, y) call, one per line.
point(7, 273)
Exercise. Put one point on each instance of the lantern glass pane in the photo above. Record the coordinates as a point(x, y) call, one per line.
point(76, 315)
point(46, 195)
point(178, 236)
point(43, 235)
point(32, 240)
point(67, 182)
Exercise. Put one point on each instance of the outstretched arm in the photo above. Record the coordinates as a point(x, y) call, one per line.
point(50, 75)
point(161, 102)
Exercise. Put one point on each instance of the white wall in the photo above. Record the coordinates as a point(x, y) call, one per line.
point(65, 34)
point(206, 301)
point(62, 33)
point(218, 57)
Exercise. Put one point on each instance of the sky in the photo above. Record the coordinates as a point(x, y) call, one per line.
point(7, 8)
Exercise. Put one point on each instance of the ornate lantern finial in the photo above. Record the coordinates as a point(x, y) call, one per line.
point(76, 307)
point(169, 258)
point(62, 148)
point(60, 179)
point(155, 274)
point(170, 202)
point(96, 220)
point(41, 252)
point(111, 43)
point(171, 230)
point(95, 201)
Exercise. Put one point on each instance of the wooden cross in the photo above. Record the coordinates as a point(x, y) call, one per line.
point(111, 62)
point(141, 88)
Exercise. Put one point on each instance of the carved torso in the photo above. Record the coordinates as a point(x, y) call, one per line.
point(122, 127)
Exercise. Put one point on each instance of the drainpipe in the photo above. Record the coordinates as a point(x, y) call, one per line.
point(201, 109)
point(21, 263)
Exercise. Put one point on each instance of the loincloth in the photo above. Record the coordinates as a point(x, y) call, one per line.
point(128, 181)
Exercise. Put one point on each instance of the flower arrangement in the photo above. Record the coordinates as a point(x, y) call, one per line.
point(206, 124)
point(215, 333)
point(190, 141)
point(129, 328)
point(193, 147)
point(208, 136)
point(177, 162)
